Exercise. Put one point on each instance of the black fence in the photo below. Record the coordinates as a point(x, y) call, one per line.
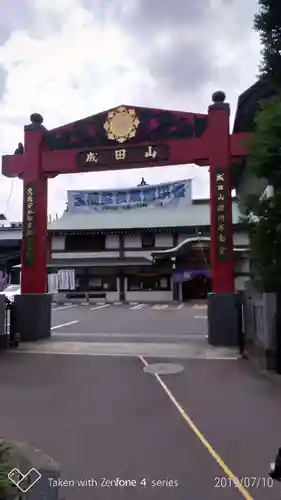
point(262, 328)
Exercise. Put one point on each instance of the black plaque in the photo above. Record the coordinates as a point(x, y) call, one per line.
point(122, 155)
point(221, 206)
point(29, 225)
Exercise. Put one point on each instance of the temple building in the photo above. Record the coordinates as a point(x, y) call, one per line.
point(150, 243)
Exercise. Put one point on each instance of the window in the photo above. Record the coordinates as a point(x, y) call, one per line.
point(149, 283)
point(105, 283)
point(110, 283)
point(84, 242)
point(148, 240)
point(88, 283)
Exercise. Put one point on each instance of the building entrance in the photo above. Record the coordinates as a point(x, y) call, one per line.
point(196, 288)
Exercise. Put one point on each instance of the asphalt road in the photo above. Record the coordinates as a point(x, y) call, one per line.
point(184, 436)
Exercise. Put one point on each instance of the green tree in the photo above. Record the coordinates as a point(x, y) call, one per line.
point(267, 22)
point(264, 215)
point(7, 490)
point(264, 161)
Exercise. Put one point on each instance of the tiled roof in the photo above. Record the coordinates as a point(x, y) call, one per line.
point(190, 215)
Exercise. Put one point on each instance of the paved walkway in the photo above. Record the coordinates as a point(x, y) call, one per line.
point(104, 417)
point(193, 347)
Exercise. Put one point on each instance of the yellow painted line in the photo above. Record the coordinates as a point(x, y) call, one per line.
point(201, 437)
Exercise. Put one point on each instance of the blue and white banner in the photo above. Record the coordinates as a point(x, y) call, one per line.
point(170, 193)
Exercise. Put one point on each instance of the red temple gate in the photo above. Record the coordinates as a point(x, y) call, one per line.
point(123, 138)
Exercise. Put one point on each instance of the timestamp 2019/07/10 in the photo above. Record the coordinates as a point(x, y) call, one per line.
point(245, 481)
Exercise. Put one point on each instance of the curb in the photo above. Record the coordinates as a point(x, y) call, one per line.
point(273, 377)
point(268, 374)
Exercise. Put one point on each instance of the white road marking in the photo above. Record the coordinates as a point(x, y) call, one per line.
point(138, 306)
point(193, 427)
point(160, 307)
point(65, 324)
point(63, 307)
point(200, 317)
point(99, 307)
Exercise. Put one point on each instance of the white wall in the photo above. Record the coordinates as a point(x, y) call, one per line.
point(139, 254)
point(146, 296)
point(241, 238)
point(240, 283)
point(164, 240)
point(58, 243)
point(13, 234)
point(112, 241)
point(85, 255)
point(112, 297)
point(242, 265)
point(5, 223)
point(132, 241)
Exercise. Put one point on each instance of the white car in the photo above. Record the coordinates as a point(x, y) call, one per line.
point(10, 291)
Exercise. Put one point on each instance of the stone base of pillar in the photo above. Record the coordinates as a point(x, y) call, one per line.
point(33, 316)
point(224, 326)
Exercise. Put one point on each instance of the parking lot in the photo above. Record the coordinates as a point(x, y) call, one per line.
point(141, 329)
point(98, 410)
point(168, 320)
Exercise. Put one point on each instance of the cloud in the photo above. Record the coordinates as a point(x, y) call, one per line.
point(3, 78)
point(73, 58)
point(13, 16)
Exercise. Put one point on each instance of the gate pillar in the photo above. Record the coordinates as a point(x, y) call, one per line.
point(34, 242)
point(222, 310)
point(34, 304)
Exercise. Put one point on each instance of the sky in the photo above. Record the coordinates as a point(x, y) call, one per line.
point(69, 59)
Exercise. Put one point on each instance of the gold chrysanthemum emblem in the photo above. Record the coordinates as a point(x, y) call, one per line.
point(121, 124)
